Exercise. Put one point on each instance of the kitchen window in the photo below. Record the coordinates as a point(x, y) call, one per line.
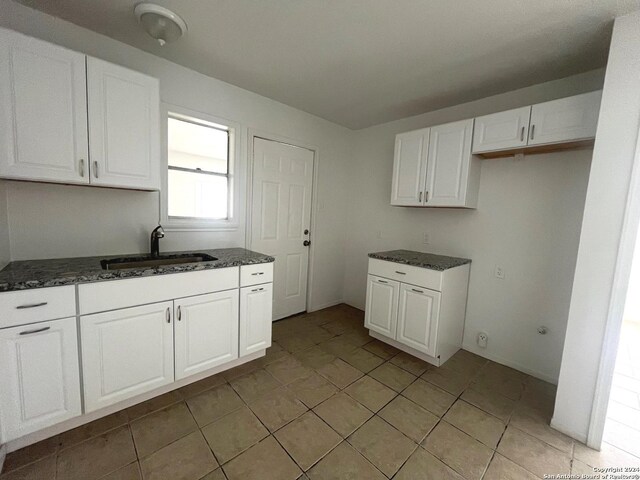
point(199, 186)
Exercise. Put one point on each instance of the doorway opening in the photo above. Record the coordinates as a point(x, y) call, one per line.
point(622, 424)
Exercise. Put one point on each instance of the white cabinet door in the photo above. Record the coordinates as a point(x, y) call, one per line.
point(501, 131)
point(43, 111)
point(449, 162)
point(409, 168)
point(124, 126)
point(41, 376)
point(206, 332)
point(125, 353)
point(381, 311)
point(564, 120)
point(255, 318)
point(418, 318)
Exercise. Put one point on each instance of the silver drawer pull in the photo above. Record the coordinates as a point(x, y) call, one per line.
point(31, 305)
point(258, 273)
point(37, 330)
point(257, 289)
point(400, 273)
point(382, 281)
point(417, 291)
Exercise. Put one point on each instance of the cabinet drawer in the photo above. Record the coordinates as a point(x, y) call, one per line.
point(422, 277)
point(114, 294)
point(255, 274)
point(37, 305)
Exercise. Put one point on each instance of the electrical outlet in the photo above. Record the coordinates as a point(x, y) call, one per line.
point(425, 238)
point(483, 339)
point(499, 272)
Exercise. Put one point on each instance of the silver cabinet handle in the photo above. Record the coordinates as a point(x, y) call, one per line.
point(400, 273)
point(258, 273)
point(257, 289)
point(95, 168)
point(82, 167)
point(179, 313)
point(426, 196)
point(31, 305)
point(417, 291)
point(168, 315)
point(382, 281)
point(37, 330)
point(533, 129)
point(522, 134)
point(420, 197)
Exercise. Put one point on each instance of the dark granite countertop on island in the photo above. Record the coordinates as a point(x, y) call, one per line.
point(26, 274)
point(420, 259)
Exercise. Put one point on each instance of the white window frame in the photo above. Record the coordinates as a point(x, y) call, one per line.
point(229, 224)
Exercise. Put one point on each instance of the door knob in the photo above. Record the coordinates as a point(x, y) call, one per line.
point(306, 243)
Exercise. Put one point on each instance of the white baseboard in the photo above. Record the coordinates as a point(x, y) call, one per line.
point(515, 365)
point(315, 308)
point(581, 437)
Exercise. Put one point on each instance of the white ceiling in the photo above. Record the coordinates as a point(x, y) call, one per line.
point(363, 62)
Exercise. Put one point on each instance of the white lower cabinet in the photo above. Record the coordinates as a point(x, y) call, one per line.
point(417, 310)
point(206, 332)
point(381, 312)
point(126, 352)
point(418, 318)
point(41, 380)
point(255, 318)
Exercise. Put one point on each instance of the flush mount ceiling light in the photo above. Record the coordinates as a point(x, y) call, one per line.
point(159, 22)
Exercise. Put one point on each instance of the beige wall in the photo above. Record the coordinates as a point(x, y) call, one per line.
point(527, 221)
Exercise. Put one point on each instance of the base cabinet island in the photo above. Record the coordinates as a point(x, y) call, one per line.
point(417, 302)
point(79, 341)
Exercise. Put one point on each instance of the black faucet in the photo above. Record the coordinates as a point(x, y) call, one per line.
point(156, 235)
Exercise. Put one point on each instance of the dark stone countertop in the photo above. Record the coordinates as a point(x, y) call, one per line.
point(26, 274)
point(420, 259)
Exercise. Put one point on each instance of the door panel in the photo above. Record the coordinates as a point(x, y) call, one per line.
point(124, 126)
point(448, 164)
point(501, 131)
point(126, 352)
point(381, 311)
point(255, 318)
point(409, 168)
point(41, 376)
point(43, 111)
point(566, 119)
point(418, 318)
point(280, 214)
point(206, 332)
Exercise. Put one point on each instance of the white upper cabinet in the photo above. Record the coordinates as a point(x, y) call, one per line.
point(124, 126)
point(410, 168)
point(41, 376)
point(206, 332)
point(43, 111)
point(449, 164)
point(565, 120)
point(502, 130)
point(67, 118)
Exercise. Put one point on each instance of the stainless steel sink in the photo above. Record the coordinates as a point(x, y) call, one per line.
point(147, 261)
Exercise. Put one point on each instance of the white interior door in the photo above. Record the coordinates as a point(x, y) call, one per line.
point(280, 216)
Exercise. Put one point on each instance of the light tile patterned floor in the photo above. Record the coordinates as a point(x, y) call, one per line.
point(329, 401)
